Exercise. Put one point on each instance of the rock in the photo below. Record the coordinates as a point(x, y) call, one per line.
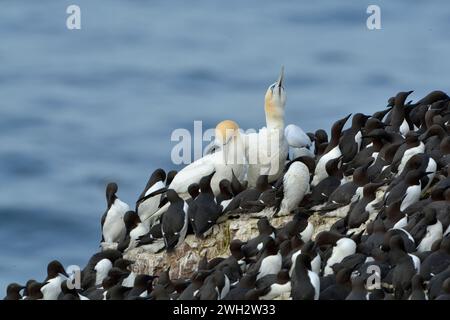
point(184, 260)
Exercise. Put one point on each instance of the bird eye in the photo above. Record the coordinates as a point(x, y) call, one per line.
point(192, 219)
point(209, 221)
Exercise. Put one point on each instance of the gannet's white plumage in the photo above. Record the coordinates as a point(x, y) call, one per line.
point(228, 159)
point(230, 156)
point(266, 151)
point(298, 141)
point(296, 137)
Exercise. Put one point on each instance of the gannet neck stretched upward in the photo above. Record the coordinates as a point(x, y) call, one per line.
point(274, 103)
point(267, 150)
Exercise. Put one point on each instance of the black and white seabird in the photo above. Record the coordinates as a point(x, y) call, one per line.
point(13, 291)
point(113, 227)
point(305, 283)
point(174, 222)
point(150, 199)
point(203, 212)
point(331, 152)
point(56, 274)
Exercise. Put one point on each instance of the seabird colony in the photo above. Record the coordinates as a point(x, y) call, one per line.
point(385, 181)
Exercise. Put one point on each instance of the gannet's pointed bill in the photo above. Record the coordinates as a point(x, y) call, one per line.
point(225, 130)
point(212, 147)
point(280, 78)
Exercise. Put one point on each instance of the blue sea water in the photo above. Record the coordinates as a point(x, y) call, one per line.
point(80, 108)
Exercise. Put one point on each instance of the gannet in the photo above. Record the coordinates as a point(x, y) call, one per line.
point(228, 159)
point(266, 151)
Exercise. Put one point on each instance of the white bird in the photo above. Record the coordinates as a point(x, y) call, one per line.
point(295, 187)
point(113, 226)
point(298, 141)
point(266, 151)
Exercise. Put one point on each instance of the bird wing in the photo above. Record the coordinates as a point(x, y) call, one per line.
point(296, 137)
point(192, 174)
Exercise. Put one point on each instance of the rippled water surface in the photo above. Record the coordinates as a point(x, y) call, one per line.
point(81, 108)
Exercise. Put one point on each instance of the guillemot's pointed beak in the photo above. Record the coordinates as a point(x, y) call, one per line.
point(281, 78)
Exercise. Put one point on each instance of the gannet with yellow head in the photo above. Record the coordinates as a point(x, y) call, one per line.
point(229, 158)
point(267, 150)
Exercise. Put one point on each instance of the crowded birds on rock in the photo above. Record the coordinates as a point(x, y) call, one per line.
point(311, 219)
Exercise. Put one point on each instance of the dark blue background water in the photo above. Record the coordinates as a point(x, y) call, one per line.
point(81, 108)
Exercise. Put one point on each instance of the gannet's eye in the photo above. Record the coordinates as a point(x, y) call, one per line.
point(209, 221)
